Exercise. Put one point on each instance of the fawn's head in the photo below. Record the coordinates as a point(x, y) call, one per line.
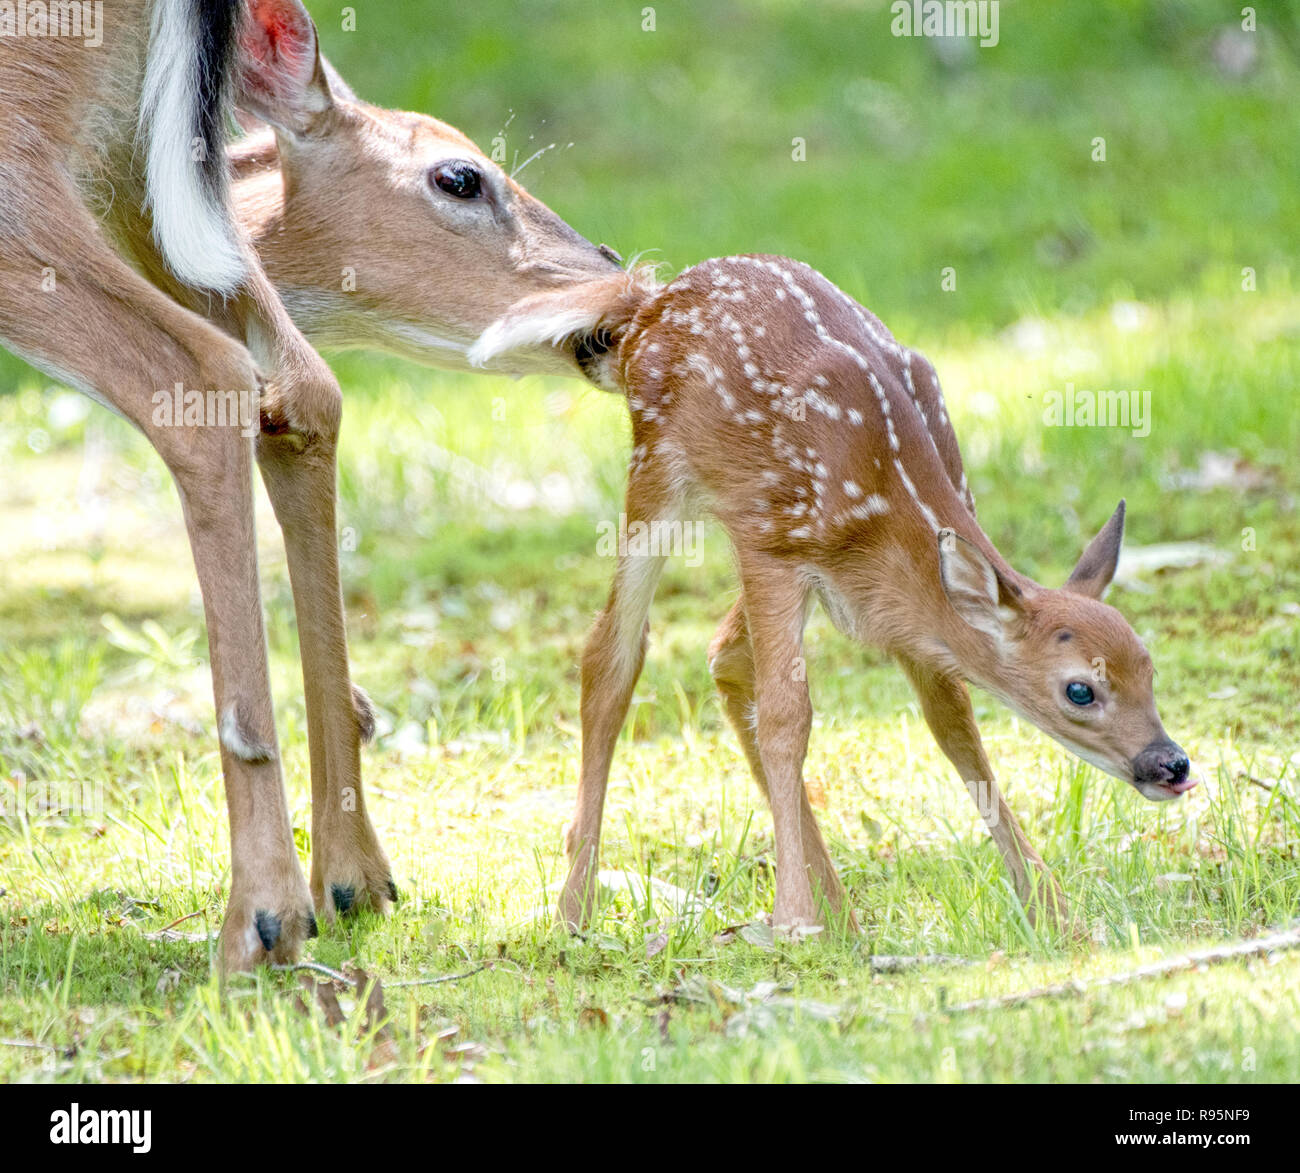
point(391, 229)
point(1069, 663)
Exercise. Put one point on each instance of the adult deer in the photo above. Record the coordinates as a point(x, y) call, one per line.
point(123, 271)
point(761, 392)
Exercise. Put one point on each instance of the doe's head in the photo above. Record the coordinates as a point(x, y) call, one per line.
point(1068, 662)
point(390, 229)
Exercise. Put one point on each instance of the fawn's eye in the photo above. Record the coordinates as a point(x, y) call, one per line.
point(457, 178)
point(1078, 693)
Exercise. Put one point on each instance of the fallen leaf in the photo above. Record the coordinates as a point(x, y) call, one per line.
point(1220, 470)
point(608, 943)
point(323, 995)
point(642, 894)
point(376, 1011)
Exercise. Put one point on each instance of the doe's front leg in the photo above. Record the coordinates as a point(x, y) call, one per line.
point(297, 453)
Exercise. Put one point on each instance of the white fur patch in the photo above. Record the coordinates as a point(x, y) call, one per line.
point(236, 739)
point(926, 511)
point(637, 578)
point(194, 233)
point(545, 327)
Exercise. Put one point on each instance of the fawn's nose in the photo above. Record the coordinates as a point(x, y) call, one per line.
point(1163, 764)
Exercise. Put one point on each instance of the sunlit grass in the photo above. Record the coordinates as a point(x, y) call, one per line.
point(468, 602)
point(468, 519)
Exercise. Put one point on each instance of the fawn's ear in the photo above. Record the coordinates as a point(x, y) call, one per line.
point(975, 589)
point(1096, 568)
point(281, 78)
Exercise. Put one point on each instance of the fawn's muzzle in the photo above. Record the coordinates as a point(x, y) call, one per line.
point(1162, 771)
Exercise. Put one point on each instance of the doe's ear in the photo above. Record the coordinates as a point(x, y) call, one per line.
point(975, 589)
point(1092, 575)
point(281, 78)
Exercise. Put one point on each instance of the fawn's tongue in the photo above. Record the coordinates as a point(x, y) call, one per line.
point(1182, 787)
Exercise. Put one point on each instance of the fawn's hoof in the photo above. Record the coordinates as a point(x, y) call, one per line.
point(578, 899)
point(1050, 913)
point(795, 919)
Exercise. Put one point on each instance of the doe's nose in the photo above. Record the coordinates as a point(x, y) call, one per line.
point(1178, 766)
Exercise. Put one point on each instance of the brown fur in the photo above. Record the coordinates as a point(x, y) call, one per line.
point(412, 250)
point(760, 392)
point(352, 191)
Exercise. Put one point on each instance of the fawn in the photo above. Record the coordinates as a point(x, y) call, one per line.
point(123, 270)
point(762, 393)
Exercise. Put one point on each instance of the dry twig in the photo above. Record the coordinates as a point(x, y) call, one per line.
point(1272, 943)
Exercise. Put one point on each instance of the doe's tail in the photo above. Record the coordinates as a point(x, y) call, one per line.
point(187, 83)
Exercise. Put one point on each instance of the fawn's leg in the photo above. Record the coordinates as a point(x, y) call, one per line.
point(731, 662)
point(946, 706)
point(611, 663)
point(71, 306)
point(776, 605)
point(297, 453)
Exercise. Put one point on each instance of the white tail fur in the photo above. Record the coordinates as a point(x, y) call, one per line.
point(192, 225)
point(541, 327)
point(549, 319)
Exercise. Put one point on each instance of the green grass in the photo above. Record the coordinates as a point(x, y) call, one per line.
point(470, 508)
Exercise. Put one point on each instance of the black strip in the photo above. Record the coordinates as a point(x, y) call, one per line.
point(218, 25)
point(1022, 1126)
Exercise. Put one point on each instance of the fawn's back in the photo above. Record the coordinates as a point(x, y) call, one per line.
point(807, 428)
point(763, 393)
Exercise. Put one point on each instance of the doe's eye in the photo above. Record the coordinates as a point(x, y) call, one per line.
point(458, 178)
point(1078, 693)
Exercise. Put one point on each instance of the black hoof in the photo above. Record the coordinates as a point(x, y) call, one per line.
point(392, 891)
point(344, 896)
point(312, 930)
point(268, 929)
